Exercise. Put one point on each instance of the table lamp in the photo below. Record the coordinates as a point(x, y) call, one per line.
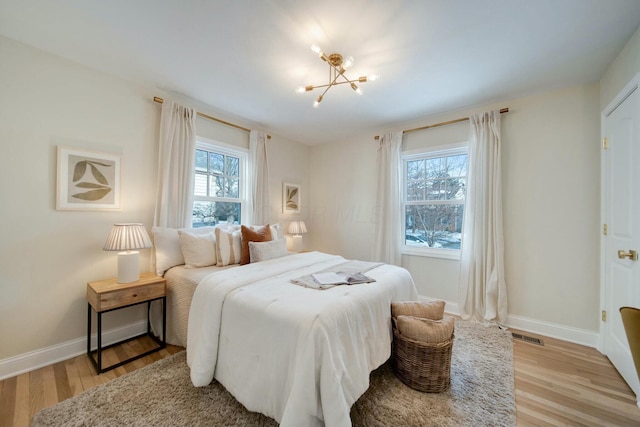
point(297, 228)
point(127, 238)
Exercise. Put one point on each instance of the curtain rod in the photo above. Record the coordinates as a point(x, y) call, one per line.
point(450, 122)
point(206, 116)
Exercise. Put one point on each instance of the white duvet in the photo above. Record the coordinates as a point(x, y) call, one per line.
point(301, 356)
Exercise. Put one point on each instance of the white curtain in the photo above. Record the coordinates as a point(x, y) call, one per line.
point(259, 209)
point(388, 225)
point(176, 160)
point(482, 294)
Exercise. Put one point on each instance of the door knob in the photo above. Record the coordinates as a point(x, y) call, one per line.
point(632, 255)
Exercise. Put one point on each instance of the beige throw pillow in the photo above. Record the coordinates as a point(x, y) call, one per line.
point(228, 246)
point(433, 310)
point(425, 330)
point(199, 250)
point(168, 249)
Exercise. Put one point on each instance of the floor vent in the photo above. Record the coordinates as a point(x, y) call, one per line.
point(532, 340)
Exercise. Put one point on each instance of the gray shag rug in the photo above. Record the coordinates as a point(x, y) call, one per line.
point(161, 394)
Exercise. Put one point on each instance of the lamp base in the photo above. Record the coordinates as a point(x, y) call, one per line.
point(297, 243)
point(128, 267)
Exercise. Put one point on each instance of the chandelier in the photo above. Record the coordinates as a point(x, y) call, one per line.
point(337, 67)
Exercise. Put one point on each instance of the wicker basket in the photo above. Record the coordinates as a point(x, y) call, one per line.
point(422, 366)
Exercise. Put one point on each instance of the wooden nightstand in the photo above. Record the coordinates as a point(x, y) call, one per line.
point(108, 295)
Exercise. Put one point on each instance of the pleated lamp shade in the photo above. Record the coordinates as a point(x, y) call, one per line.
point(128, 238)
point(297, 228)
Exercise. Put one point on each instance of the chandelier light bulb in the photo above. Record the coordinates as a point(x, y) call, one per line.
point(301, 89)
point(348, 62)
point(316, 49)
point(359, 91)
point(372, 77)
point(317, 102)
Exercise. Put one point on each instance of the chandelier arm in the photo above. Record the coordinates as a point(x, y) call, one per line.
point(333, 83)
point(345, 78)
point(340, 72)
point(336, 83)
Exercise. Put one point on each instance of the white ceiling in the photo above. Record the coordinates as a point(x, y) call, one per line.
point(246, 57)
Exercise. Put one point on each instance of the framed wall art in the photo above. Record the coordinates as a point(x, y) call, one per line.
point(87, 180)
point(290, 198)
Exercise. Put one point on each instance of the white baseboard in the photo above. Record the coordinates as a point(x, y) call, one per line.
point(548, 329)
point(26, 362)
point(554, 330)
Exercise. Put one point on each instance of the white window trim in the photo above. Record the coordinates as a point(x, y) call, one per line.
point(231, 150)
point(428, 152)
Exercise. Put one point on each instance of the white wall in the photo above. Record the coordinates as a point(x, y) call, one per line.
point(551, 204)
point(48, 256)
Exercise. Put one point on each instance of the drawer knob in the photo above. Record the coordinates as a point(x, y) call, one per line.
point(135, 295)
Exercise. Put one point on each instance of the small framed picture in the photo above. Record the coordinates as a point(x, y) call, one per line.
point(87, 180)
point(290, 198)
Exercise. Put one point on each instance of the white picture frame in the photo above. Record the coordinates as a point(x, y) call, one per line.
point(87, 180)
point(290, 198)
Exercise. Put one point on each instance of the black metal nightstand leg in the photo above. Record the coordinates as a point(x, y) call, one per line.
point(89, 329)
point(99, 367)
point(164, 322)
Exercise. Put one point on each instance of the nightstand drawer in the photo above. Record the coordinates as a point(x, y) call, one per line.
point(129, 296)
point(109, 294)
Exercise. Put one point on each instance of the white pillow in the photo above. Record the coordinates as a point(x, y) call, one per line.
point(199, 250)
point(262, 251)
point(276, 232)
point(228, 246)
point(167, 246)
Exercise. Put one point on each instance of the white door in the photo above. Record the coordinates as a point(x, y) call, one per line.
point(621, 197)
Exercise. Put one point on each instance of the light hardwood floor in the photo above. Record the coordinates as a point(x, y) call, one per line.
point(556, 384)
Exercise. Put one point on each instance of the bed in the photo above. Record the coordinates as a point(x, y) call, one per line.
point(301, 356)
point(181, 284)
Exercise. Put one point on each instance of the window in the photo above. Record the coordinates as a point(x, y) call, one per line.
point(434, 184)
point(219, 185)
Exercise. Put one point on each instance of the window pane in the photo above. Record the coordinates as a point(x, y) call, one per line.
point(457, 165)
point(232, 188)
point(434, 167)
point(200, 185)
point(201, 161)
point(216, 163)
point(435, 189)
point(415, 169)
point(233, 166)
point(455, 188)
point(216, 186)
point(212, 213)
point(415, 190)
point(434, 226)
